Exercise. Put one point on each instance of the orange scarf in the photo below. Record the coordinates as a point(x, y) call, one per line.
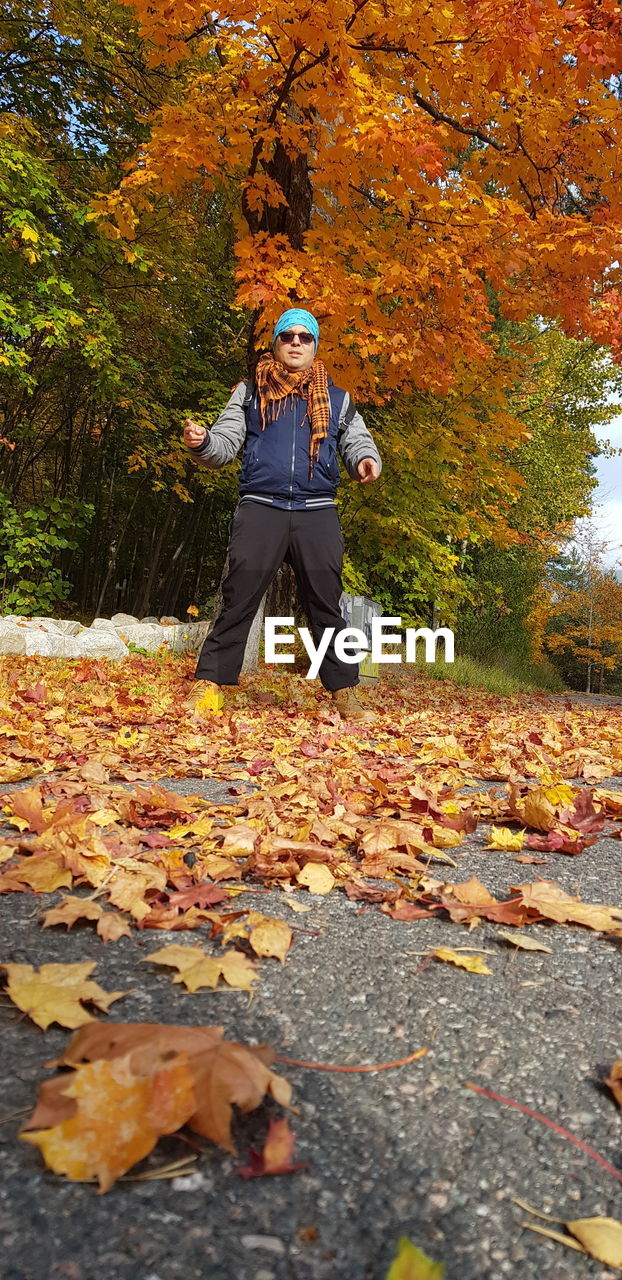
point(275, 384)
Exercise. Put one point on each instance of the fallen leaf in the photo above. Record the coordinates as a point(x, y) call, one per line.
point(198, 895)
point(600, 1237)
point(223, 1074)
point(538, 806)
point(231, 1074)
point(116, 1039)
point(317, 877)
point(71, 909)
point(54, 993)
point(504, 838)
point(407, 911)
point(197, 970)
point(276, 1156)
point(121, 1111)
point(26, 807)
point(111, 926)
point(412, 1264)
point(614, 1082)
point(194, 968)
point(43, 873)
point(549, 900)
point(523, 941)
point(474, 964)
point(561, 841)
point(238, 971)
point(271, 938)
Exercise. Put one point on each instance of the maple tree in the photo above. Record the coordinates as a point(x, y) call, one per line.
point(394, 164)
point(578, 613)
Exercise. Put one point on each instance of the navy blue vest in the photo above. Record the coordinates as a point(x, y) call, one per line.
point(275, 462)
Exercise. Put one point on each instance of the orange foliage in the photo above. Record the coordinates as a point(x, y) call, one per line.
point(393, 160)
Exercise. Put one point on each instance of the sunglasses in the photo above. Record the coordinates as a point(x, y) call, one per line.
point(289, 335)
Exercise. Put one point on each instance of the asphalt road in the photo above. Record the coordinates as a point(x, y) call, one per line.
point(410, 1151)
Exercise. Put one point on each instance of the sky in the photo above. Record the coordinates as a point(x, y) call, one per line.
point(607, 519)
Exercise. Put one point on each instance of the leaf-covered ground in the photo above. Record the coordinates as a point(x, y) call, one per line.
point(448, 880)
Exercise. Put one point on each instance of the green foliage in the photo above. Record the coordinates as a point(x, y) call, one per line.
point(30, 543)
point(507, 679)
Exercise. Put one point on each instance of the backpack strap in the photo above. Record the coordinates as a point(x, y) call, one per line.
point(349, 417)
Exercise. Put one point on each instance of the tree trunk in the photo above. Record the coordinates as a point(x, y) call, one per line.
point(292, 220)
point(144, 595)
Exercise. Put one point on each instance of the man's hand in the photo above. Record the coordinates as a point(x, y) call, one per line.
point(194, 435)
point(368, 470)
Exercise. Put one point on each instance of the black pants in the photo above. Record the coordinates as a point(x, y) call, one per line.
point(262, 538)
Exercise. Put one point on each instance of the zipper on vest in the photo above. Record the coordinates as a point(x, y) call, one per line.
point(291, 478)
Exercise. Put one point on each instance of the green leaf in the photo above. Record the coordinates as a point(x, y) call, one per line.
point(411, 1263)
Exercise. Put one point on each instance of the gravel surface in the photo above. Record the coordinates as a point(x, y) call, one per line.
point(409, 1151)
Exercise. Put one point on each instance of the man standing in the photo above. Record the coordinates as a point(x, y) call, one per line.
point(293, 421)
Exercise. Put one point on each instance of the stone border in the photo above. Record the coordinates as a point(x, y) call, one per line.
point(104, 638)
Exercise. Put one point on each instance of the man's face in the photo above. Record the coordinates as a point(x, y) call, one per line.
point(291, 351)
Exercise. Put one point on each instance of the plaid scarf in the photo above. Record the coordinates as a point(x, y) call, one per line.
point(275, 384)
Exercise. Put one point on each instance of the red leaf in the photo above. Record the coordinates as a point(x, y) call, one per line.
point(276, 1155)
point(37, 694)
point(198, 895)
point(557, 842)
point(407, 911)
point(361, 891)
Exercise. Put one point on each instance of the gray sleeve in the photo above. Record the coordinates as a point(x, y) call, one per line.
point(354, 441)
point(227, 434)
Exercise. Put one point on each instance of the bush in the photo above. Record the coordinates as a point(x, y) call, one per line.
point(30, 545)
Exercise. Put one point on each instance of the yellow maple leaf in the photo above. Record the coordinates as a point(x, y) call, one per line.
point(474, 964)
point(317, 877)
point(269, 937)
point(411, 1263)
point(54, 993)
point(505, 838)
point(196, 969)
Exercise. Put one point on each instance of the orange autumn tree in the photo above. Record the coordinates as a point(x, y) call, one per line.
point(577, 617)
point(412, 173)
point(403, 168)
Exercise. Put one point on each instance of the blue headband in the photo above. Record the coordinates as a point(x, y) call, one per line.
point(297, 316)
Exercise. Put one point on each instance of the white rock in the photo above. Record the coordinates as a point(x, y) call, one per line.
point(166, 622)
point(12, 640)
point(124, 619)
point(103, 624)
point(30, 624)
point(271, 1244)
point(93, 644)
point(105, 638)
point(186, 636)
point(193, 1182)
point(68, 628)
point(150, 620)
point(29, 640)
point(144, 635)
